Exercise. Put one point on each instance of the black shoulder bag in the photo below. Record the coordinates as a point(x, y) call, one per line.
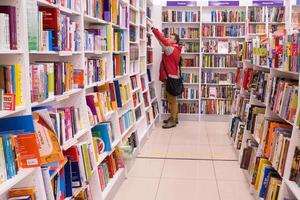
point(174, 86)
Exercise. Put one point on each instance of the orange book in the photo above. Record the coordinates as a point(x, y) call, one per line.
point(270, 133)
point(18, 192)
point(117, 65)
point(27, 151)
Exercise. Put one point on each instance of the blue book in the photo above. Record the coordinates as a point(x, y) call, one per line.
point(62, 189)
point(9, 156)
point(265, 180)
point(68, 179)
point(118, 93)
point(103, 131)
point(17, 125)
point(50, 39)
point(13, 78)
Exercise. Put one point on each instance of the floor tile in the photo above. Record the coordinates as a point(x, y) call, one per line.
point(178, 189)
point(159, 138)
point(228, 171)
point(138, 188)
point(217, 139)
point(189, 169)
point(190, 131)
point(223, 152)
point(147, 168)
point(234, 190)
point(154, 150)
point(189, 151)
point(186, 139)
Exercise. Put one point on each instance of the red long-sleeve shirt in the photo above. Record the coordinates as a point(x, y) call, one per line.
point(171, 56)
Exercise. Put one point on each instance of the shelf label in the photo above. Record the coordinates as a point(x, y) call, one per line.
point(223, 3)
point(268, 3)
point(182, 3)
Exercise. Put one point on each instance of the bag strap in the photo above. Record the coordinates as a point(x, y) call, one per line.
point(165, 69)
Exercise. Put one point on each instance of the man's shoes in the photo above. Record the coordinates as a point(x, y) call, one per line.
point(170, 124)
point(166, 120)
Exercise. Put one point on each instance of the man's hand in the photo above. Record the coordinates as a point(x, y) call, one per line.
point(149, 24)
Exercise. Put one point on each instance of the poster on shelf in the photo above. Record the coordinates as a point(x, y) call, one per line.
point(223, 3)
point(182, 3)
point(268, 3)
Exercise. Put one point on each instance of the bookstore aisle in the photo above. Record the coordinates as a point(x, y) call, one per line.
point(193, 161)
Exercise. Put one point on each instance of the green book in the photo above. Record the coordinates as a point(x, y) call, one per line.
point(32, 23)
point(86, 160)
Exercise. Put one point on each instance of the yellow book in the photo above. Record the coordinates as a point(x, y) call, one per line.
point(262, 164)
point(95, 149)
point(123, 94)
point(18, 84)
point(109, 33)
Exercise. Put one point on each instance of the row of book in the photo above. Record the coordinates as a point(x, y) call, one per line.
point(133, 16)
point(190, 61)
point(126, 120)
point(223, 31)
point(228, 16)
point(214, 92)
point(119, 65)
point(134, 52)
point(191, 47)
point(67, 122)
point(56, 31)
point(219, 61)
point(136, 99)
point(218, 107)
point(132, 34)
point(53, 78)
point(276, 14)
point(257, 14)
point(10, 87)
point(260, 51)
point(284, 98)
point(259, 82)
point(183, 32)
point(257, 28)
point(243, 78)
point(104, 10)
point(183, 107)
point(190, 78)
point(218, 78)
point(180, 16)
point(97, 39)
point(119, 40)
point(189, 93)
point(219, 46)
point(146, 99)
point(287, 58)
point(109, 167)
point(95, 69)
point(8, 28)
point(99, 103)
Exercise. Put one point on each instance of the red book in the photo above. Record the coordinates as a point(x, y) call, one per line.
point(9, 102)
point(50, 22)
point(11, 11)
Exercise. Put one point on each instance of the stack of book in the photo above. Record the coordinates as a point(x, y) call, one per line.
point(119, 40)
point(191, 47)
point(257, 14)
point(190, 61)
point(104, 10)
point(10, 87)
point(276, 14)
point(134, 52)
point(259, 82)
point(123, 93)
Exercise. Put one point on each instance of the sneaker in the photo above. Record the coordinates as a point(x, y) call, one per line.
point(170, 124)
point(166, 120)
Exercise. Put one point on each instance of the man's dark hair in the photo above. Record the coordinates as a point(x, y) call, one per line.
point(176, 37)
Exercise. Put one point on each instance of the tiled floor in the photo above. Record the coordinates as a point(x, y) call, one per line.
point(194, 161)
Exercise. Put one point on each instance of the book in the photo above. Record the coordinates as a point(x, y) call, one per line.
point(104, 132)
point(119, 65)
point(223, 30)
point(20, 192)
point(126, 120)
point(95, 70)
point(228, 16)
point(10, 14)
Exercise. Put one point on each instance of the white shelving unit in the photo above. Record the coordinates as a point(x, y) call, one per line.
point(76, 97)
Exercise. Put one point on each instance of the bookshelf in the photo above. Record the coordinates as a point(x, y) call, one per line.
point(97, 55)
point(254, 100)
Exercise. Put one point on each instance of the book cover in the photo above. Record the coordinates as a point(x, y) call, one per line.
point(86, 160)
point(103, 131)
point(23, 191)
point(17, 125)
point(27, 150)
point(77, 175)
